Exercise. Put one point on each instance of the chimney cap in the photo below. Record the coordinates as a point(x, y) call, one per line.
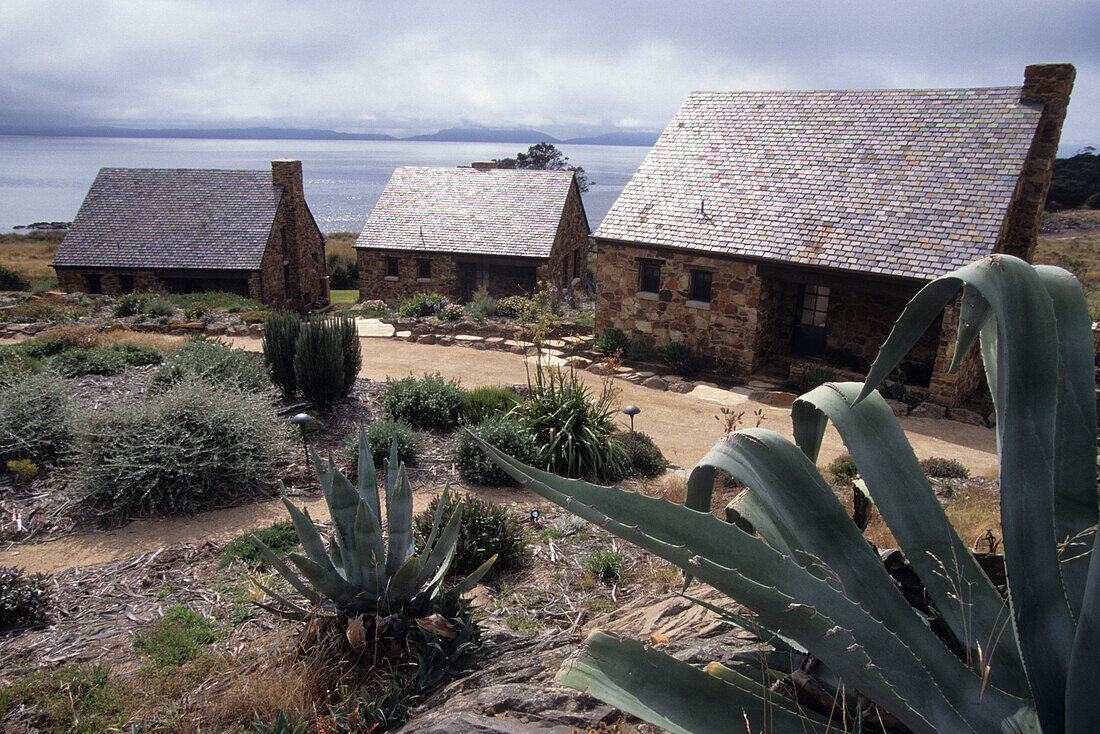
point(286, 160)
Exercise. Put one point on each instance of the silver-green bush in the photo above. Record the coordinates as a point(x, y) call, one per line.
point(178, 451)
point(36, 420)
point(214, 362)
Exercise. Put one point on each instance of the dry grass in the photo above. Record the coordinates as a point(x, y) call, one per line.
point(30, 254)
point(119, 335)
point(1079, 254)
point(341, 244)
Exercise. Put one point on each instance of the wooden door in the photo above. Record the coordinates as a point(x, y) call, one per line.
point(810, 319)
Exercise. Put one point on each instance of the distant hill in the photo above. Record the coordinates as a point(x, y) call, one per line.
point(645, 140)
point(233, 133)
point(487, 135)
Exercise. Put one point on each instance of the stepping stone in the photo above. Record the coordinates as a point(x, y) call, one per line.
point(716, 395)
point(403, 334)
point(681, 386)
point(494, 340)
point(577, 362)
point(655, 383)
point(778, 398)
point(373, 327)
point(468, 338)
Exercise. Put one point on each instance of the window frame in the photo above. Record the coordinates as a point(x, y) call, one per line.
point(393, 266)
point(652, 268)
point(698, 276)
point(423, 268)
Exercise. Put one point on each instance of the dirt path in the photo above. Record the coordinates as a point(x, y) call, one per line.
point(683, 426)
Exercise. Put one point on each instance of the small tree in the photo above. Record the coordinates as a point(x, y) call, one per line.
point(546, 157)
point(319, 363)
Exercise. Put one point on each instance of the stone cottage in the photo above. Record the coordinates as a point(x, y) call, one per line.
point(189, 230)
point(769, 226)
point(455, 230)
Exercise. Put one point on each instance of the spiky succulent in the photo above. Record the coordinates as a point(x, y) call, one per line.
point(360, 572)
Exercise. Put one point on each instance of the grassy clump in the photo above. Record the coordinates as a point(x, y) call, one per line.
point(939, 467)
point(37, 421)
point(506, 434)
point(842, 469)
point(380, 437)
point(73, 698)
point(487, 530)
point(321, 361)
point(10, 280)
point(422, 304)
point(483, 303)
point(642, 457)
point(427, 402)
point(486, 401)
point(281, 330)
point(178, 451)
point(605, 564)
point(281, 537)
point(177, 637)
point(216, 300)
point(24, 599)
point(214, 362)
point(612, 341)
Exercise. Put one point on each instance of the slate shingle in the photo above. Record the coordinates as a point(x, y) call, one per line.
point(470, 211)
point(173, 218)
point(900, 182)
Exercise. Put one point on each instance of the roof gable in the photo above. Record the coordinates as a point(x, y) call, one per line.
point(900, 182)
point(173, 218)
point(499, 212)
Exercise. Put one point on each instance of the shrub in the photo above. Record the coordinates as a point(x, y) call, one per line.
point(41, 347)
point(681, 358)
point(353, 353)
point(422, 304)
point(611, 342)
point(939, 467)
point(214, 362)
point(138, 355)
point(10, 280)
point(343, 272)
point(177, 637)
point(374, 308)
point(606, 564)
point(429, 402)
point(24, 469)
point(196, 310)
point(508, 435)
point(639, 350)
point(572, 431)
point(380, 437)
point(843, 358)
point(514, 306)
point(24, 600)
point(35, 310)
point(94, 361)
point(842, 469)
point(319, 363)
point(450, 312)
point(642, 458)
point(281, 329)
point(14, 364)
point(814, 376)
point(36, 420)
point(158, 306)
point(130, 304)
point(486, 401)
point(179, 450)
point(1093, 202)
point(487, 530)
point(280, 537)
point(483, 303)
point(215, 300)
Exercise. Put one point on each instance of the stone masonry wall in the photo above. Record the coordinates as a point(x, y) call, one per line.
point(373, 282)
point(572, 235)
point(952, 388)
point(305, 252)
point(730, 327)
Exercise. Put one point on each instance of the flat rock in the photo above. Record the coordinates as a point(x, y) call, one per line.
point(215, 329)
point(898, 407)
point(778, 398)
point(237, 330)
point(426, 339)
point(963, 415)
point(599, 368)
point(468, 338)
point(403, 334)
point(717, 395)
point(682, 386)
point(373, 327)
point(928, 409)
point(252, 328)
point(578, 362)
point(676, 617)
point(655, 383)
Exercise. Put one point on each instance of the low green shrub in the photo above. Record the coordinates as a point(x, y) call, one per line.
point(177, 637)
point(842, 469)
point(422, 304)
point(639, 350)
point(24, 469)
point(374, 309)
point(178, 451)
point(605, 564)
point(36, 420)
point(483, 303)
point(252, 317)
point(642, 457)
point(508, 435)
point(14, 364)
point(380, 437)
point(485, 401)
point(514, 306)
point(939, 467)
point(130, 304)
point(1093, 202)
point(487, 530)
point(280, 537)
point(319, 360)
point(681, 358)
point(215, 300)
point(158, 306)
point(41, 347)
point(815, 376)
point(36, 310)
point(427, 402)
point(10, 280)
point(196, 310)
point(612, 341)
point(214, 362)
point(94, 361)
point(139, 355)
point(24, 599)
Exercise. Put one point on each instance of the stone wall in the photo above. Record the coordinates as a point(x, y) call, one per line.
point(954, 387)
point(374, 283)
point(114, 282)
point(732, 326)
point(572, 236)
point(304, 251)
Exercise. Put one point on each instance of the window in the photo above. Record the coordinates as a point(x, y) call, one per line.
point(126, 283)
point(700, 285)
point(391, 267)
point(423, 269)
point(649, 276)
point(815, 306)
point(92, 284)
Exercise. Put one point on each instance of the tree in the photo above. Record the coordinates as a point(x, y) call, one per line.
point(546, 157)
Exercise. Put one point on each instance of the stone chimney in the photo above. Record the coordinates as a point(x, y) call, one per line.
point(1048, 85)
point(483, 165)
point(287, 172)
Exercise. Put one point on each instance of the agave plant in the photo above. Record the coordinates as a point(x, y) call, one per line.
point(359, 572)
point(980, 663)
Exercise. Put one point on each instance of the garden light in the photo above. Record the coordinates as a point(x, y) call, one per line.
point(301, 420)
point(632, 410)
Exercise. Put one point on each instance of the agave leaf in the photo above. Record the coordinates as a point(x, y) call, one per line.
point(368, 533)
point(973, 311)
point(776, 534)
point(838, 631)
point(468, 583)
point(437, 518)
point(399, 522)
point(309, 537)
point(1027, 398)
point(368, 479)
point(666, 692)
point(968, 602)
point(1075, 507)
point(1082, 703)
point(438, 559)
point(292, 578)
point(343, 505)
point(325, 580)
point(767, 635)
point(286, 604)
point(403, 584)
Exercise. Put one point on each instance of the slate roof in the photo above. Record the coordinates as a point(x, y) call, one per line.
point(901, 182)
point(469, 211)
point(172, 218)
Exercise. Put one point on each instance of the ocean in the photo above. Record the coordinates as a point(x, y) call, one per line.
point(46, 178)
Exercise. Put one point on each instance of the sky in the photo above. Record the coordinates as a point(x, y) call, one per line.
point(564, 67)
